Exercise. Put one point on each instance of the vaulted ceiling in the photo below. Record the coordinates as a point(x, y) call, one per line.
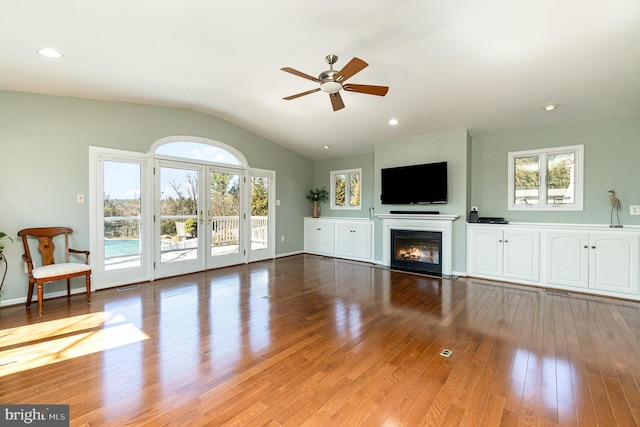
point(482, 65)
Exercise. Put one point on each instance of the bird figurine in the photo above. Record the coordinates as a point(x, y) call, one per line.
point(615, 205)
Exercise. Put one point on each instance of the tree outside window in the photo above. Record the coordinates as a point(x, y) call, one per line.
point(346, 189)
point(546, 179)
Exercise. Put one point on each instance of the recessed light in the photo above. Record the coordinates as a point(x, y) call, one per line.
point(393, 122)
point(326, 147)
point(550, 106)
point(50, 53)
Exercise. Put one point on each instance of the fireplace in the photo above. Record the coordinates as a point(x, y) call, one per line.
point(421, 222)
point(416, 251)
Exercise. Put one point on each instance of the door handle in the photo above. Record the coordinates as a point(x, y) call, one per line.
point(201, 218)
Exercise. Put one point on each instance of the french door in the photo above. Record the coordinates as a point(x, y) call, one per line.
point(120, 208)
point(261, 227)
point(199, 221)
point(159, 217)
point(225, 218)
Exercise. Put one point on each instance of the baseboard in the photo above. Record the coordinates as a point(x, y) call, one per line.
point(47, 295)
point(289, 254)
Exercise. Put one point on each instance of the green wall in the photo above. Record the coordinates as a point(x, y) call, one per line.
point(611, 155)
point(44, 152)
point(322, 170)
point(451, 146)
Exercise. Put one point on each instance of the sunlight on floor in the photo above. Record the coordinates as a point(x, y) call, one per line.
point(63, 339)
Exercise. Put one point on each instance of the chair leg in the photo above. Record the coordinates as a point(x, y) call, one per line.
point(88, 280)
point(68, 288)
point(30, 294)
point(40, 298)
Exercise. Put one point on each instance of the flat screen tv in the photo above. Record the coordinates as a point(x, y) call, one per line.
point(415, 185)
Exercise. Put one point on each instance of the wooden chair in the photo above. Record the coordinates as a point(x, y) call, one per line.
point(50, 271)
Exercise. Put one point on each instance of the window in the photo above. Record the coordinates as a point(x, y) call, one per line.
point(547, 179)
point(199, 150)
point(345, 189)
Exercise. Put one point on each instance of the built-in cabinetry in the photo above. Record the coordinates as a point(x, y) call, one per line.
point(593, 260)
point(589, 258)
point(341, 237)
point(505, 252)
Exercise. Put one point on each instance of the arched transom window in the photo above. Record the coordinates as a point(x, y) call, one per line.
point(200, 150)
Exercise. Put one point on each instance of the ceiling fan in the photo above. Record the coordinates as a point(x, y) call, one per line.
point(332, 81)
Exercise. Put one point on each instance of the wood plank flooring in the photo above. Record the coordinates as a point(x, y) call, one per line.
point(314, 341)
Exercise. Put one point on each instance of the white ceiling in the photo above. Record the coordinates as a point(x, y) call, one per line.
point(482, 65)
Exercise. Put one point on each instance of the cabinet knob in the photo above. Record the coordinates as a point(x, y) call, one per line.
point(500, 240)
point(319, 229)
point(506, 241)
point(586, 246)
point(593, 247)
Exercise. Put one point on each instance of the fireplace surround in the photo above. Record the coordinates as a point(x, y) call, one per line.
point(434, 223)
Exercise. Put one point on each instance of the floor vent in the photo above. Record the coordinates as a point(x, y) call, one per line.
point(128, 288)
point(554, 292)
point(446, 353)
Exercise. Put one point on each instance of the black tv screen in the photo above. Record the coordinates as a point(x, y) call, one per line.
point(417, 184)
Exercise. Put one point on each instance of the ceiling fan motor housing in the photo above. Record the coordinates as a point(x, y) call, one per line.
point(329, 84)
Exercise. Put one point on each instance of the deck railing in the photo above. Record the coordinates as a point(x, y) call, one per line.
point(225, 229)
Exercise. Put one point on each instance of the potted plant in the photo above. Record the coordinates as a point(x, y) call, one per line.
point(3, 236)
point(318, 195)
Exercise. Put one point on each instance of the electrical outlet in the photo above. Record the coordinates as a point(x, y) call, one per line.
point(634, 210)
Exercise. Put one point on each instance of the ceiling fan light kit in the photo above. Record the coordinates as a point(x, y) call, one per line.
point(330, 87)
point(332, 82)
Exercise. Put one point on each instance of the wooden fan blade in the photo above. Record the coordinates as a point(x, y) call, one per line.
point(352, 67)
point(336, 101)
point(368, 89)
point(298, 95)
point(300, 74)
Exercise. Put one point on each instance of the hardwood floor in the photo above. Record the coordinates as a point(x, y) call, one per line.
point(308, 340)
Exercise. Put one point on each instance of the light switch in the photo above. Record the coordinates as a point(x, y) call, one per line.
point(634, 210)
point(80, 198)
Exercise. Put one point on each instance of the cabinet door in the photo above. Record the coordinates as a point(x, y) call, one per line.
point(567, 258)
point(486, 251)
point(344, 239)
point(325, 237)
point(613, 262)
point(522, 254)
point(363, 241)
point(318, 236)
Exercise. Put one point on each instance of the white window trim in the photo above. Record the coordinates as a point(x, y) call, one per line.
point(332, 195)
point(542, 204)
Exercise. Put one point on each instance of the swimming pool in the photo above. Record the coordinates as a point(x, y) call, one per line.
point(119, 248)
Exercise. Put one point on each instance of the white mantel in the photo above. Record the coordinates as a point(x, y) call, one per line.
point(438, 223)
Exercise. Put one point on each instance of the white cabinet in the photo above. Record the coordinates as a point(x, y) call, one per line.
point(354, 240)
point(587, 258)
point(567, 258)
point(504, 252)
point(341, 237)
point(606, 261)
point(319, 236)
